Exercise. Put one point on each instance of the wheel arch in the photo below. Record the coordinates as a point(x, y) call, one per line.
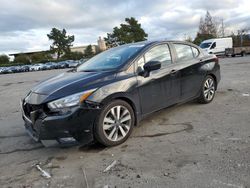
point(123, 96)
point(130, 102)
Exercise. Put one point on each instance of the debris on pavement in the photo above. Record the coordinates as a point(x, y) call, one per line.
point(44, 173)
point(166, 174)
point(245, 94)
point(110, 166)
point(85, 177)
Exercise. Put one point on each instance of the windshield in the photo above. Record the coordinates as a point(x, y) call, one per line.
point(205, 44)
point(110, 59)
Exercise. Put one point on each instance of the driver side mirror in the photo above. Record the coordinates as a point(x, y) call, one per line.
point(150, 66)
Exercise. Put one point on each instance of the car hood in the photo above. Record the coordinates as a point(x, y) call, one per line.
point(68, 83)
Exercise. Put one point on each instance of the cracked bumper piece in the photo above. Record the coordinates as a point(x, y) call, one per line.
point(76, 124)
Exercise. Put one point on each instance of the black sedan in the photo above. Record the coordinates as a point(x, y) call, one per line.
point(104, 98)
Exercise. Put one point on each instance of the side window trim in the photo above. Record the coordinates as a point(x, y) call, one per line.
point(192, 47)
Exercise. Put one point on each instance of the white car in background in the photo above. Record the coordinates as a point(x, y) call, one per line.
point(1, 70)
point(36, 67)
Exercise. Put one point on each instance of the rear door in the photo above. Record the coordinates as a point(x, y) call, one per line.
point(157, 90)
point(188, 63)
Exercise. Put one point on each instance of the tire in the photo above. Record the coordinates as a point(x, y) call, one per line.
point(112, 129)
point(207, 90)
point(243, 54)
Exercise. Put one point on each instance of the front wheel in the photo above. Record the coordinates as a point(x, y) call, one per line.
point(115, 123)
point(207, 90)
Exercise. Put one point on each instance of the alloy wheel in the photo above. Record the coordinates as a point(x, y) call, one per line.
point(209, 89)
point(117, 123)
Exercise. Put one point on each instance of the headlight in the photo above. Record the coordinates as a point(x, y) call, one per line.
point(71, 100)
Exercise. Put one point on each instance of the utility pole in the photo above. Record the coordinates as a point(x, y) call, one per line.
point(222, 27)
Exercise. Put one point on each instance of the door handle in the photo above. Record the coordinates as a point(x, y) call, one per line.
point(172, 72)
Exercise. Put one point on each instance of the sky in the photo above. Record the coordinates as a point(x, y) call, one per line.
point(24, 24)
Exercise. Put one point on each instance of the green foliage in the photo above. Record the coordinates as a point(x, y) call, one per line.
point(4, 59)
point(126, 33)
point(73, 56)
point(40, 57)
point(22, 59)
point(201, 37)
point(61, 42)
point(88, 52)
point(207, 29)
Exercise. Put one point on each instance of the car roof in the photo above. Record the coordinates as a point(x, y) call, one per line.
point(150, 42)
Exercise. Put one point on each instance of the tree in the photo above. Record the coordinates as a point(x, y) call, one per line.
point(73, 55)
point(201, 37)
point(22, 59)
point(88, 52)
point(40, 57)
point(129, 32)
point(207, 29)
point(188, 38)
point(4, 59)
point(61, 42)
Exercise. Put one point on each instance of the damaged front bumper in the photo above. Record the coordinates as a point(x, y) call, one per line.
point(76, 124)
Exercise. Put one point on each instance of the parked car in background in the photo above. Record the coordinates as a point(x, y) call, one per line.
point(72, 64)
point(13, 69)
point(50, 65)
point(104, 98)
point(25, 68)
point(18, 68)
point(36, 67)
point(62, 64)
point(217, 46)
point(2, 70)
point(81, 61)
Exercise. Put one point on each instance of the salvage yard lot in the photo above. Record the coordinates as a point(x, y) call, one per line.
point(188, 145)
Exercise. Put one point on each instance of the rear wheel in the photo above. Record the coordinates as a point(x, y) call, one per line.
point(115, 123)
point(243, 54)
point(207, 90)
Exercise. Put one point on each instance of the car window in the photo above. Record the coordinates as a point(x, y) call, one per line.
point(195, 52)
point(184, 52)
point(111, 59)
point(159, 53)
point(205, 44)
point(213, 45)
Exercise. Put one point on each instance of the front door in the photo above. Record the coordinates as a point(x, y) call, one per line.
point(158, 89)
